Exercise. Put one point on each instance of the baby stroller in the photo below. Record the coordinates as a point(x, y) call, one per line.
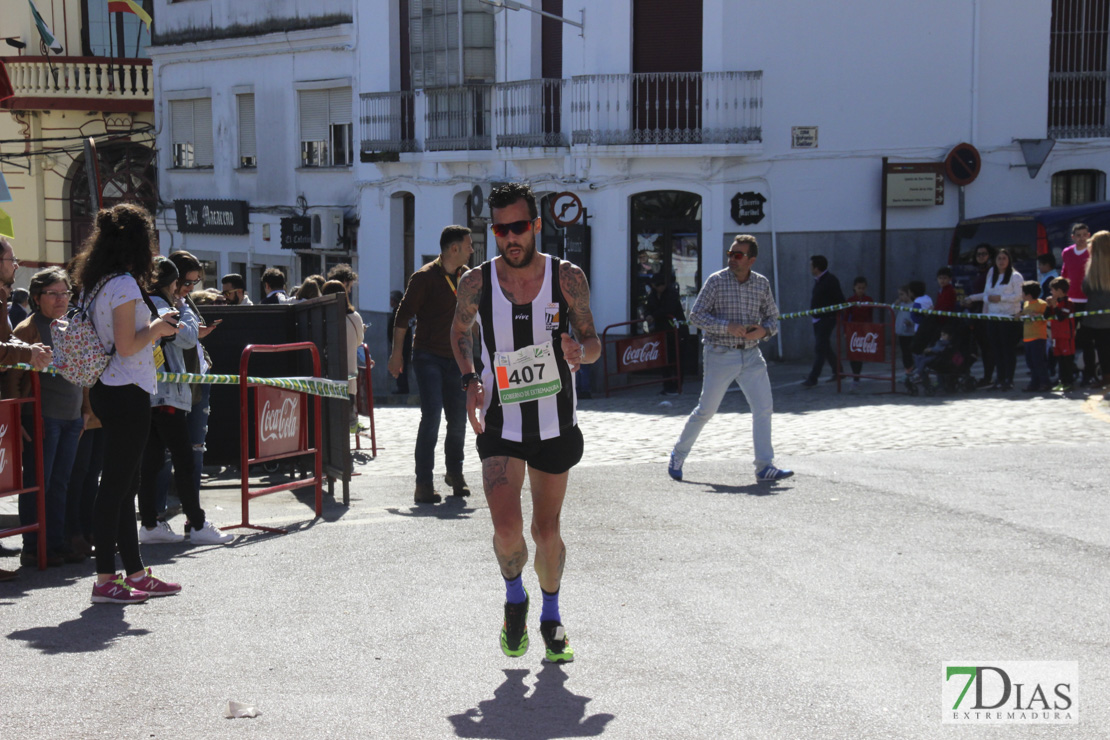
point(950, 361)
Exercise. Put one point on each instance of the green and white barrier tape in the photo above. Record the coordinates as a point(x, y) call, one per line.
point(312, 386)
point(930, 312)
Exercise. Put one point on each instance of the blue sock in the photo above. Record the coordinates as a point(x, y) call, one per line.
point(514, 590)
point(550, 611)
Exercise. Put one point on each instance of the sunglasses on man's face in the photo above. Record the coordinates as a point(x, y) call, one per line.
point(517, 227)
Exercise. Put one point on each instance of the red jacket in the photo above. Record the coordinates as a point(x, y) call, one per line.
point(946, 299)
point(863, 314)
point(1062, 327)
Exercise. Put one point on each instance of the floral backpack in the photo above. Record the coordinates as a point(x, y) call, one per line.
point(79, 355)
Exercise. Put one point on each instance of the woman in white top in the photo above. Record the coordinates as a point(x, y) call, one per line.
point(1001, 296)
point(117, 255)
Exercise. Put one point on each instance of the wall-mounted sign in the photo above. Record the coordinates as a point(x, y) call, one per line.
point(803, 137)
point(296, 232)
point(211, 216)
point(747, 208)
point(914, 184)
point(566, 209)
point(963, 164)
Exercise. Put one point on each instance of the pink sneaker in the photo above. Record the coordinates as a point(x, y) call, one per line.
point(117, 591)
point(152, 586)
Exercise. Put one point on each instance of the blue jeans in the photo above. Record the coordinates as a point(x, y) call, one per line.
point(59, 448)
point(1038, 364)
point(440, 384)
point(723, 366)
point(197, 421)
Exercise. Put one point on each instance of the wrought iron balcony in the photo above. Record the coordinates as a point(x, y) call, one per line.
point(457, 118)
point(667, 108)
point(530, 113)
point(80, 83)
point(388, 122)
point(1077, 105)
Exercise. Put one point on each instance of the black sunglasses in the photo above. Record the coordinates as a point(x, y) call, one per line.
point(517, 227)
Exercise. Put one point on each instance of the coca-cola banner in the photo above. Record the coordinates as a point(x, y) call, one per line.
point(280, 427)
point(865, 341)
point(11, 466)
point(642, 353)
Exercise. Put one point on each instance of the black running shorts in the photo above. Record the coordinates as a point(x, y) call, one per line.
point(552, 456)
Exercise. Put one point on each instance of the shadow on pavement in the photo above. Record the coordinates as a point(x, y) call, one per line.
point(98, 627)
point(452, 507)
point(552, 711)
point(752, 489)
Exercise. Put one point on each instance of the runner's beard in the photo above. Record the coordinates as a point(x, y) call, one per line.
point(528, 249)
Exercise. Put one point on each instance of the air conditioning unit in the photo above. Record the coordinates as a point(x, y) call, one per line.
point(327, 228)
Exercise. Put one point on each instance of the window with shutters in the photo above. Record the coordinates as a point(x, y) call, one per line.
point(436, 57)
point(191, 133)
point(326, 127)
point(248, 150)
point(1079, 69)
point(1076, 187)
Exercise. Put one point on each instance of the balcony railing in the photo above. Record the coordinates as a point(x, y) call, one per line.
point(388, 122)
point(668, 108)
point(457, 118)
point(1077, 105)
point(529, 113)
point(81, 78)
point(625, 109)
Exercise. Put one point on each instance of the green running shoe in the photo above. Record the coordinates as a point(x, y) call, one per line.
point(558, 645)
point(514, 631)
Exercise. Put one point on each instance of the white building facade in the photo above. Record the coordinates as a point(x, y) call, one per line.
point(655, 114)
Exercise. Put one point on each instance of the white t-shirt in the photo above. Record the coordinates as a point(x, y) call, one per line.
point(139, 367)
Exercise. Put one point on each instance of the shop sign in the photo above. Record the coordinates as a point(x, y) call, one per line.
point(866, 341)
point(211, 216)
point(296, 232)
point(747, 208)
point(279, 425)
point(642, 353)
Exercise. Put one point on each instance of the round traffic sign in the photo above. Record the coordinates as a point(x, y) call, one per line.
point(477, 199)
point(962, 164)
point(566, 209)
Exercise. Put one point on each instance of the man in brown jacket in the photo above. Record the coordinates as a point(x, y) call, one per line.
point(12, 352)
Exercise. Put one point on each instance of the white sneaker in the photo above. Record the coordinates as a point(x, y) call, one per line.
point(161, 533)
point(209, 535)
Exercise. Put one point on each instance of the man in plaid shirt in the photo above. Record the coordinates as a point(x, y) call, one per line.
point(735, 311)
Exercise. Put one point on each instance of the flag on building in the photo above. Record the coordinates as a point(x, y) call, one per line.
point(48, 36)
point(6, 89)
point(130, 6)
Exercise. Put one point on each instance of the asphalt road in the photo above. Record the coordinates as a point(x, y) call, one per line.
point(821, 607)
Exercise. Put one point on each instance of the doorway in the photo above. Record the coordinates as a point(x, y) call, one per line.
point(666, 240)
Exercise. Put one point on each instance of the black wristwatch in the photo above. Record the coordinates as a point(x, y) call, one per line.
point(466, 380)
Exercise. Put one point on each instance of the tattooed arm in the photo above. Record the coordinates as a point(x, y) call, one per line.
point(576, 291)
point(468, 296)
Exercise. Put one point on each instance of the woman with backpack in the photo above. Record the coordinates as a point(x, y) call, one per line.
point(118, 256)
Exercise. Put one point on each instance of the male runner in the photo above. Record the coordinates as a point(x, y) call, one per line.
point(522, 403)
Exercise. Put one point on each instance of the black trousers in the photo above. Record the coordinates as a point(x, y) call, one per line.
point(168, 429)
point(124, 411)
point(823, 330)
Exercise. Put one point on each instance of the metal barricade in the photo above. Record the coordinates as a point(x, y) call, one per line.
point(866, 342)
point(366, 402)
point(641, 352)
point(281, 430)
point(11, 462)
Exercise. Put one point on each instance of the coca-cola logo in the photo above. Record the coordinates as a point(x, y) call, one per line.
point(3, 450)
point(864, 343)
point(282, 422)
point(646, 352)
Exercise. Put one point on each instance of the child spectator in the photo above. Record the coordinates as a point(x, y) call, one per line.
point(1035, 335)
point(859, 314)
point(1046, 267)
point(904, 327)
point(946, 296)
point(926, 328)
point(1062, 326)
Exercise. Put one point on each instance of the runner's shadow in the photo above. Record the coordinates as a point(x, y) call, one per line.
point(552, 711)
point(752, 489)
point(98, 628)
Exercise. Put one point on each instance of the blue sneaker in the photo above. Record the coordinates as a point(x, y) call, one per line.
point(674, 469)
point(771, 473)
